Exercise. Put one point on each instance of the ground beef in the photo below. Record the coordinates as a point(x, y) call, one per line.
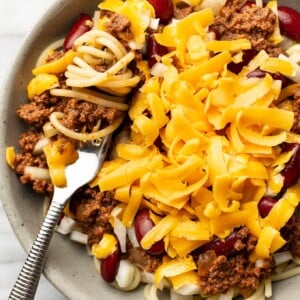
point(220, 273)
point(91, 209)
point(46, 99)
point(28, 159)
point(33, 114)
point(28, 140)
point(118, 26)
point(295, 239)
point(252, 22)
point(181, 10)
point(146, 261)
point(245, 241)
point(27, 143)
point(79, 114)
point(36, 112)
point(253, 276)
point(225, 273)
point(296, 109)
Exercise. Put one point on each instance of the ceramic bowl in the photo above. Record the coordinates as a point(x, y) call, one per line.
point(68, 266)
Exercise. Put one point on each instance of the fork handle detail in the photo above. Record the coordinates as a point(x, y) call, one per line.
point(26, 284)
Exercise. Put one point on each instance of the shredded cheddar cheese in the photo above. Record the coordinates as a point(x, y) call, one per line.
point(106, 246)
point(40, 84)
point(57, 66)
point(187, 278)
point(204, 147)
point(10, 156)
point(59, 154)
point(173, 268)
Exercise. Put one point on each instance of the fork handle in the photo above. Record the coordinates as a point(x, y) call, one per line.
point(26, 284)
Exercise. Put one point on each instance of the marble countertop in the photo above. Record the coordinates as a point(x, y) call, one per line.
point(16, 19)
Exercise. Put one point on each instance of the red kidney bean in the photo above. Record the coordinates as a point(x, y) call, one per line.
point(265, 205)
point(291, 171)
point(79, 28)
point(221, 248)
point(289, 21)
point(163, 9)
point(109, 266)
point(247, 57)
point(258, 73)
point(153, 49)
point(142, 225)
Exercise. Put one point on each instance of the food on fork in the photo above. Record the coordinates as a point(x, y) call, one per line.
point(201, 190)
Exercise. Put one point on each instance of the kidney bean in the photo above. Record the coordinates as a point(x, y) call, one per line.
point(79, 28)
point(258, 73)
point(142, 225)
point(247, 57)
point(163, 9)
point(289, 22)
point(153, 49)
point(265, 205)
point(291, 171)
point(109, 266)
point(221, 248)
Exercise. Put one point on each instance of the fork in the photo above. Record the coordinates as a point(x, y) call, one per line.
point(83, 170)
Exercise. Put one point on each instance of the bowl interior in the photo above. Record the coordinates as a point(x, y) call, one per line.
point(68, 267)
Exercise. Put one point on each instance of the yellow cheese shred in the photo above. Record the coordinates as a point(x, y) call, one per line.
point(204, 146)
point(10, 156)
point(187, 278)
point(161, 229)
point(173, 268)
point(233, 45)
point(59, 154)
point(106, 246)
point(57, 66)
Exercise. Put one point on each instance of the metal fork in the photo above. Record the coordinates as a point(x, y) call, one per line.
point(85, 168)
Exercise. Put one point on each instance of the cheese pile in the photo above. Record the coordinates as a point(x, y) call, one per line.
point(204, 147)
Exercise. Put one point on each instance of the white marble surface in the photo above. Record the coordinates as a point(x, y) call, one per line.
point(16, 19)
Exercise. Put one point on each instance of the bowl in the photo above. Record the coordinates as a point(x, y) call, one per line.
point(68, 266)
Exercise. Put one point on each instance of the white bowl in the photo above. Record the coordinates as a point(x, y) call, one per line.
point(68, 267)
